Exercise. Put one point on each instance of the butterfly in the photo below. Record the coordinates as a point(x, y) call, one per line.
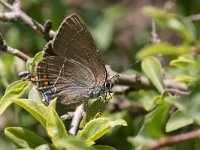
point(72, 68)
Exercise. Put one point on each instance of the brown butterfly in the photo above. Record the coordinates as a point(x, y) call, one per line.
point(72, 68)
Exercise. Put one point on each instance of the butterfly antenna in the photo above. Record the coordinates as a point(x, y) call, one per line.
point(117, 74)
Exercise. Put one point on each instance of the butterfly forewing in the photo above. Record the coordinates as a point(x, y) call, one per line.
point(48, 51)
point(74, 41)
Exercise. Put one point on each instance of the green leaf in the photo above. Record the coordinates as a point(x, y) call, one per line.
point(72, 143)
point(38, 56)
point(35, 59)
point(140, 141)
point(162, 48)
point(182, 26)
point(16, 84)
point(191, 104)
point(37, 110)
point(184, 61)
point(147, 98)
point(152, 68)
point(54, 125)
point(95, 106)
point(96, 128)
point(15, 90)
point(52, 104)
point(43, 147)
point(185, 78)
point(23, 137)
point(104, 147)
point(151, 104)
point(35, 95)
point(178, 120)
point(173, 100)
point(154, 122)
point(31, 63)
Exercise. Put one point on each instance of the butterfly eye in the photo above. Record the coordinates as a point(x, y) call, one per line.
point(108, 84)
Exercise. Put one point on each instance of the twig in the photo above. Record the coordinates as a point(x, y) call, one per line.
point(178, 93)
point(5, 4)
point(4, 47)
point(154, 35)
point(17, 14)
point(47, 29)
point(173, 140)
point(78, 114)
point(194, 17)
point(125, 104)
point(67, 116)
point(135, 82)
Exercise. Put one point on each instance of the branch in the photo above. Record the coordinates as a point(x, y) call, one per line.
point(125, 104)
point(135, 82)
point(67, 116)
point(77, 116)
point(4, 47)
point(173, 140)
point(194, 17)
point(17, 14)
point(154, 35)
point(5, 4)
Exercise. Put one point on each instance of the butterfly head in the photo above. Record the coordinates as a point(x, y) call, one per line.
point(108, 85)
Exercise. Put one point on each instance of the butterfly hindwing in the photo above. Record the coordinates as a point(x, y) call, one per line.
point(70, 81)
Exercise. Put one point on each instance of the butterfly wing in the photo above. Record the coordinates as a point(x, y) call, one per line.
point(69, 80)
point(74, 41)
point(71, 65)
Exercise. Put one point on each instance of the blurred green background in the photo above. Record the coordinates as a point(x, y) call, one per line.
point(120, 29)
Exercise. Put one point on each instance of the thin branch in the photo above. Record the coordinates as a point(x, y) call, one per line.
point(67, 116)
point(8, 17)
point(17, 14)
point(135, 82)
point(195, 17)
point(178, 93)
point(17, 4)
point(47, 29)
point(78, 114)
point(4, 47)
point(6, 5)
point(154, 35)
point(173, 140)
